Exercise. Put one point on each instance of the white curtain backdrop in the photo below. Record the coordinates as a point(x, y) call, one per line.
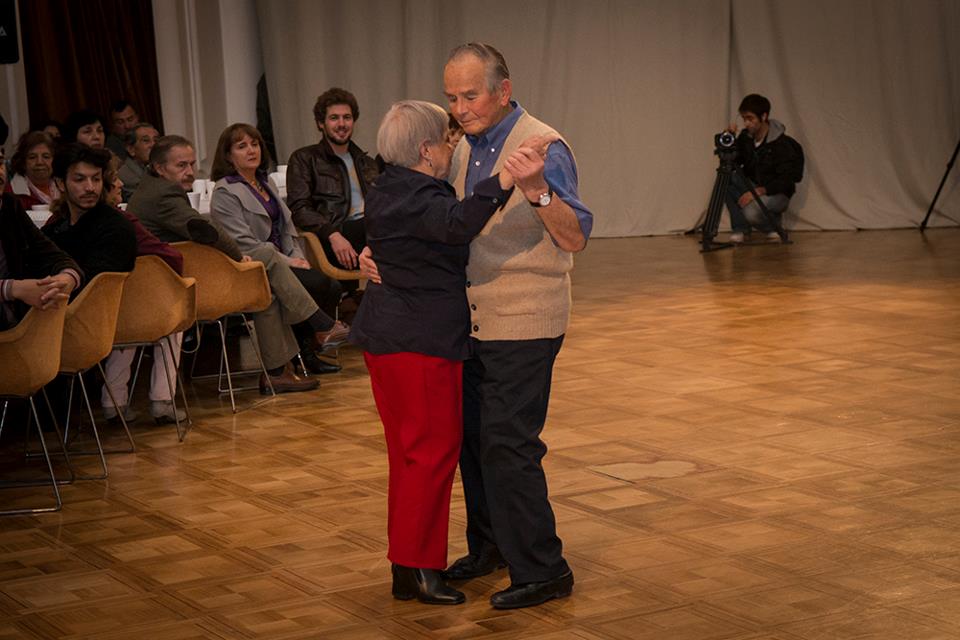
point(871, 89)
point(639, 88)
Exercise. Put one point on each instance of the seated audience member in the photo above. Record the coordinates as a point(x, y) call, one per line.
point(117, 367)
point(327, 181)
point(772, 162)
point(139, 141)
point(84, 126)
point(50, 127)
point(147, 243)
point(161, 204)
point(248, 208)
point(34, 272)
point(91, 232)
point(454, 131)
point(123, 118)
point(32, 166)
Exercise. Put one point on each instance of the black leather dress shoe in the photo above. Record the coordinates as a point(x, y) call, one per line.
point(531, 594)
point(316, 366)
point(475, 565)
point(426, 585)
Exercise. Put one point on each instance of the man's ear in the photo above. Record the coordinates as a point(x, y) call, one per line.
point(61, 187)
point(506, 91)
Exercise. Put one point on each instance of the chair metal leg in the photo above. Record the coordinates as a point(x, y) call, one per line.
point(181, 432)
point(136, 373)
point(3, 416)
point(96, 434)
point(225, 365)
point(183, 389)
point(60, 440)
point(58, 503)
point(196, 351)
point(66, 423)
point(123, 420)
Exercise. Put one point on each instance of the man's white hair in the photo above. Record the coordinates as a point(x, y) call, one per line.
point(493, 60)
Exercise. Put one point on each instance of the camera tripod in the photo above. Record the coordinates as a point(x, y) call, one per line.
point(923, 225)
point(728, 167)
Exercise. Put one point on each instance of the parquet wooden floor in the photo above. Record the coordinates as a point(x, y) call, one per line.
point(760, 443)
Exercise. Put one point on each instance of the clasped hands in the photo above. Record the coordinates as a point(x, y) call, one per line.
point(44, 293)
point(747, 197)
point(524, 167)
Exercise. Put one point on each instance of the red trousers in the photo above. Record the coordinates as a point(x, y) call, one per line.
point(420, 400)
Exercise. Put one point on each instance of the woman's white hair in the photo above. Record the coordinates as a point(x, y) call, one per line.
point(407, 125)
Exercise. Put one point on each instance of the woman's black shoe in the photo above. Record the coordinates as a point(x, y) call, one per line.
point(426, 585)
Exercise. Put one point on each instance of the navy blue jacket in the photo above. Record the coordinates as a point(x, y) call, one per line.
point(420, 237)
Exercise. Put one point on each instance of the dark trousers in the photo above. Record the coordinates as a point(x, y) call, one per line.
point(419, 399)
point(506, 389)
point(356, 234)
point(324, 290)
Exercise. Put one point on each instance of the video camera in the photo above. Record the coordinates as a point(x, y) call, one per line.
point(724, 141)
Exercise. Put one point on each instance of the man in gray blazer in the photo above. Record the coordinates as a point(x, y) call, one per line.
point(161, 204)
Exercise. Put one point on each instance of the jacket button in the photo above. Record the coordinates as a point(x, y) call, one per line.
point(476, 327)
point(496, 201)
point(468, 284)
point(474, 307)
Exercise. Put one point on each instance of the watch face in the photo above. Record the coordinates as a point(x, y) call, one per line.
point(545, 199)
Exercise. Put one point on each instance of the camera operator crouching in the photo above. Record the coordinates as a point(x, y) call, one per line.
point(771, 160)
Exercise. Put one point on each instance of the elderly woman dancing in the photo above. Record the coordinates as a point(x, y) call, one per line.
point(414, 328)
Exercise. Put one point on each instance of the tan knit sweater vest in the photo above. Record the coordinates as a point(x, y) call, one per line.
point(518, 281)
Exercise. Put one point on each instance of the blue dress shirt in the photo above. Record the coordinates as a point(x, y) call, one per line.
point(559, 169)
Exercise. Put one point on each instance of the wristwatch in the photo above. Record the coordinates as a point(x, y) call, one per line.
point(544, 200)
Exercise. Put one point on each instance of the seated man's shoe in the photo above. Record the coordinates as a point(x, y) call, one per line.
point(426, 585)
point(475, 565)
point(315, 365)
point(736, 237)
point(332, 338)
point(773, 236)
point(164, 412)
point(287, 382)
point(129, 415)
point(531, 594)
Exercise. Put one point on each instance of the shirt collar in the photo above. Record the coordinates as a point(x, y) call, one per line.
point(234, 178)
point(497, 134)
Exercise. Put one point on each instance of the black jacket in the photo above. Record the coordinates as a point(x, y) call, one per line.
point(318, 186)
point(102, 240)
point(420, 237)
point(776, 165)
point(28, 253)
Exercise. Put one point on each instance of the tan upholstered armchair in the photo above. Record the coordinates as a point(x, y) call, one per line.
point(88, 332)
point(318, 259)
point(156, 303)
point(30, 353)
point(226, 287)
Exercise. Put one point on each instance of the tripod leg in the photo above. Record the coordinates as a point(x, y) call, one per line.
point(943, 180)
point(712, 221)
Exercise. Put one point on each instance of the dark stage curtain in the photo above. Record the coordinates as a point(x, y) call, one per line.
point(88, 55)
